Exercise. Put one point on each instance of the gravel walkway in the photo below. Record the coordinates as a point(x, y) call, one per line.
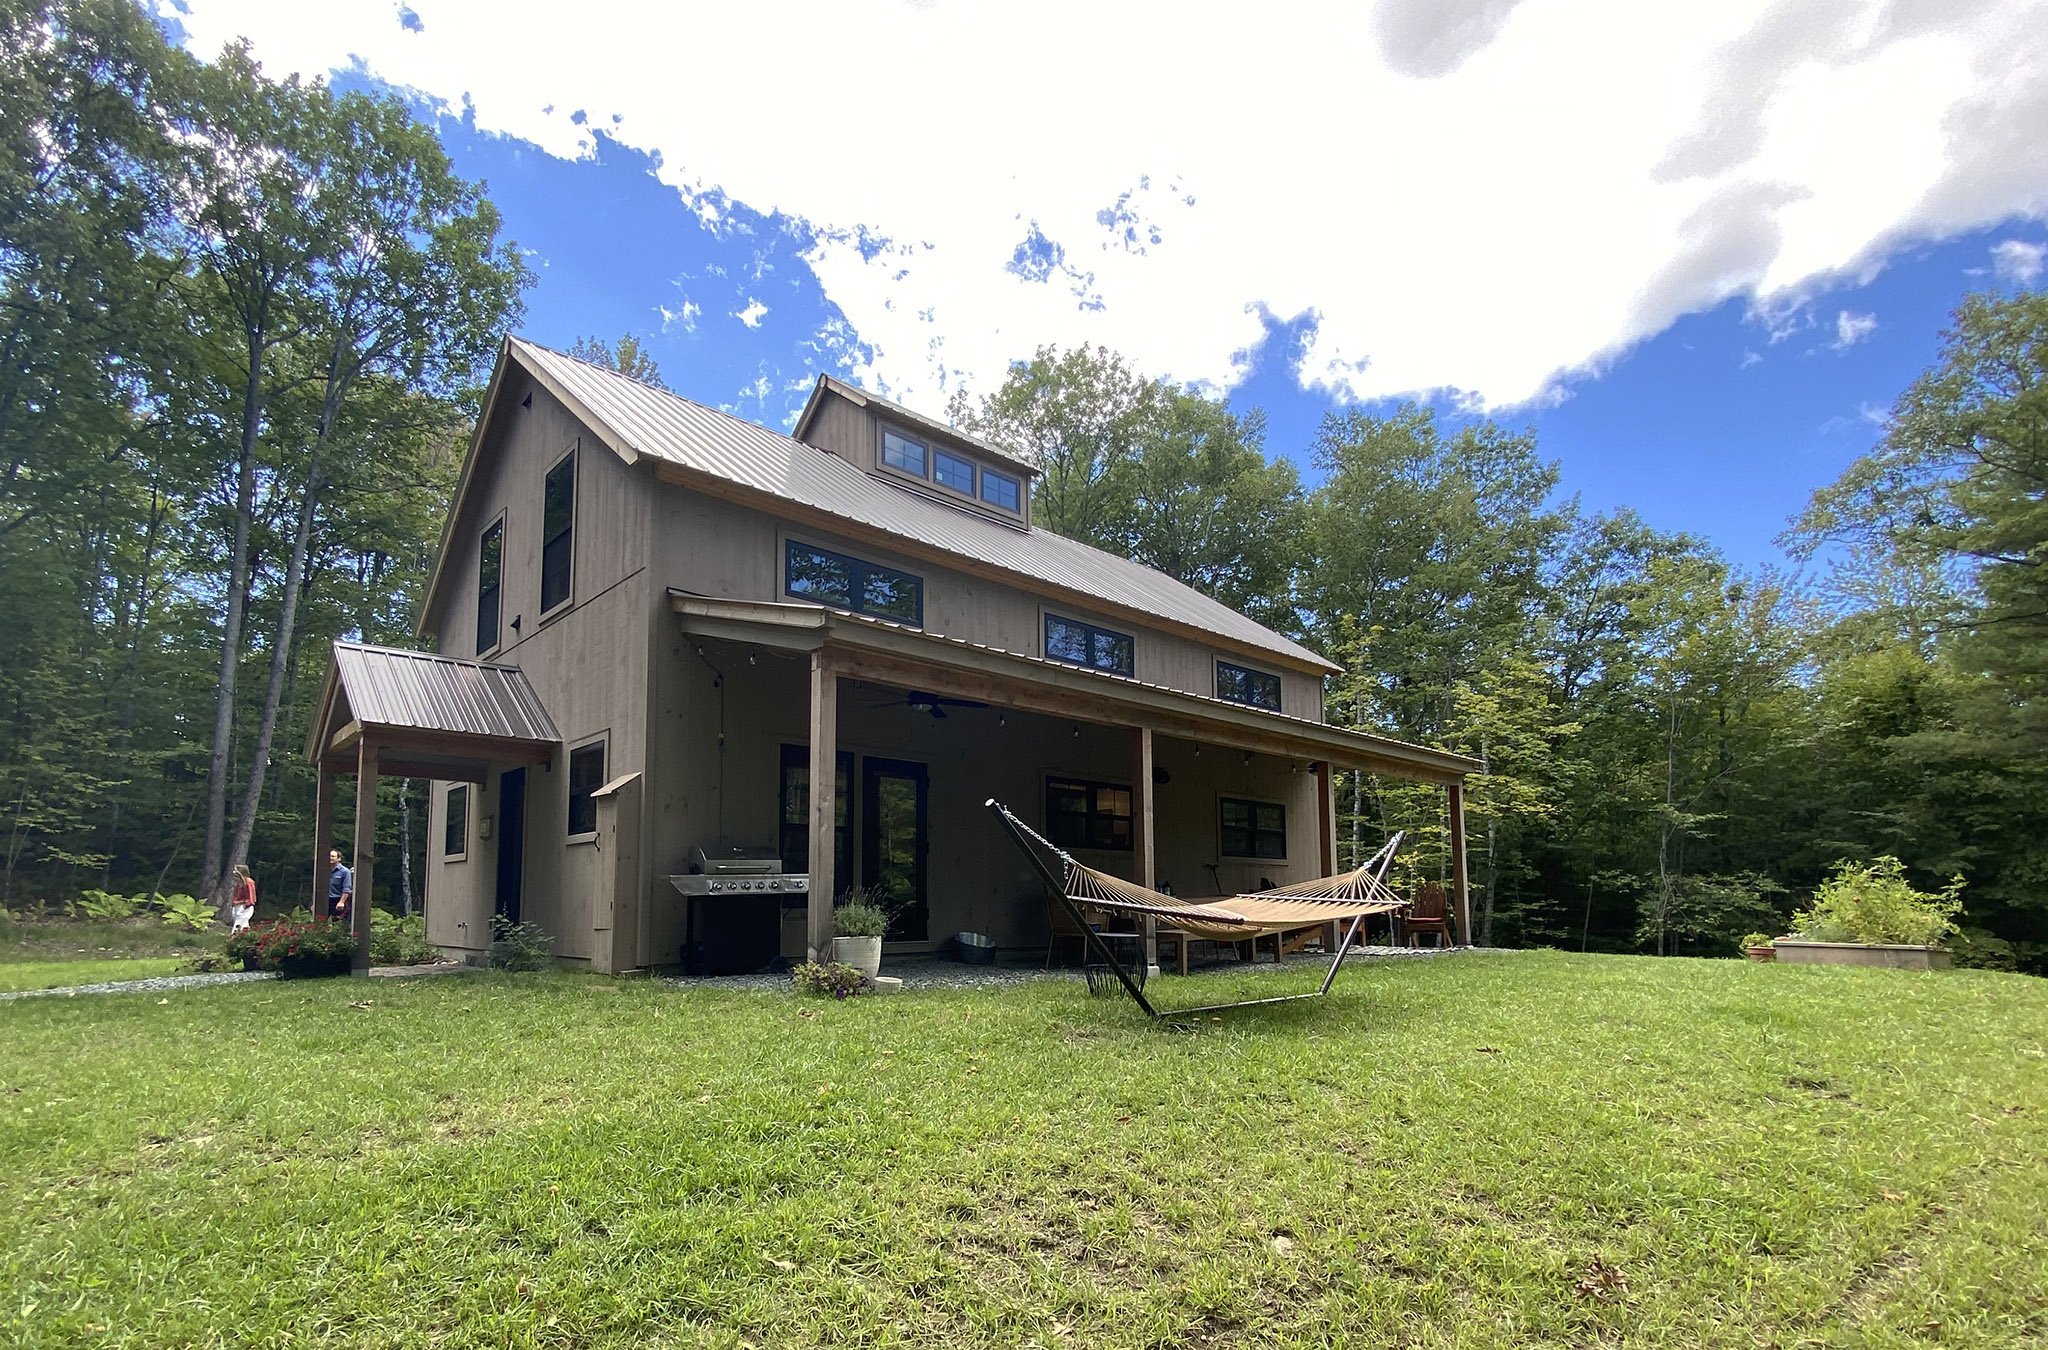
point(926, 972)
point(149, 986)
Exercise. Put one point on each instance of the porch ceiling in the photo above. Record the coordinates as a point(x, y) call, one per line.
point(864, 648)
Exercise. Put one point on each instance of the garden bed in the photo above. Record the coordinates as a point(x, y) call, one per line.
point(1895, 956)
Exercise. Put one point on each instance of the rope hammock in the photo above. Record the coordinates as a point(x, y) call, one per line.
point(1350, 895)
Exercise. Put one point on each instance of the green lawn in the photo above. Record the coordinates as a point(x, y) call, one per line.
point(60, 939)
point(56, 974)
point(1482, 1150)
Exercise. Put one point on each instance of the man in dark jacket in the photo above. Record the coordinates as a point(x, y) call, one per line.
point(341, 888)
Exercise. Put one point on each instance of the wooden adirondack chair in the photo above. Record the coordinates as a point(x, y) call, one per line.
point(1429, 914)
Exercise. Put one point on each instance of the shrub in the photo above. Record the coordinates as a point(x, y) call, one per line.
point(242, 946)
point(1874, 903)
point(209, 963)
point(1756, 940)
point(105, 906)
point(1981, 950)
point(322, 947)
point(864, 912)
point(396, 941)
point(520, 946)
point(186, 912)
point(829, 979)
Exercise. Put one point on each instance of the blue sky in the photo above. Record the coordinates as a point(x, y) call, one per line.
point(1699, 247)
point(1708, 427)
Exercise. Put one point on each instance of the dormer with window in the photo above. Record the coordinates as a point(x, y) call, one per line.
point(914, 452)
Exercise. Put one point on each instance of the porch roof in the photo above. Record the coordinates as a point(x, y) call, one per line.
point(860, 646)
point(433, 716)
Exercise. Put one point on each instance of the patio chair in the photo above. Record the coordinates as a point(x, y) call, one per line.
point(1428, 914)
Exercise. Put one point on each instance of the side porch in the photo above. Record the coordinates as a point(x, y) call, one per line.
point(863, 750)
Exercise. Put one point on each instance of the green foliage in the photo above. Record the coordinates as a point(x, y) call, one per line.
point(1873, 902)
point(396, 941)
point(106, 906)
point(187, 912)
point(829, 979)
point(321, 947)
point(1976, 949)
point(629, 356)
point(861, 918)
point(210, 963)
point(520, 946)
point(1755, 939)
point(242, 945)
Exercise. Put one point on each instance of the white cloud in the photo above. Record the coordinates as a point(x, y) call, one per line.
point(1749, 358)
point(682, 319)
point(752, 315)
point(2019, 261)
point(1851, 329)
point(1481, 197)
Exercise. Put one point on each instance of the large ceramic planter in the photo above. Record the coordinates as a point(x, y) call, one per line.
point(1762, 952)
point(864, 954)
point(1794, 952)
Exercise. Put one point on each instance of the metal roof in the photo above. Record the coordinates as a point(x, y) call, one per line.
point(641, 420)
point(419, 691)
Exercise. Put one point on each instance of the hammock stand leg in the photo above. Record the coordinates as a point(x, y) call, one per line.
point(1056, 886)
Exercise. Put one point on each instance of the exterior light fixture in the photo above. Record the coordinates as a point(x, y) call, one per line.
point(1077, 731)
point(753, 658)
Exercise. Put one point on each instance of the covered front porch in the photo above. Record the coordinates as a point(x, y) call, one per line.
point(907, 734)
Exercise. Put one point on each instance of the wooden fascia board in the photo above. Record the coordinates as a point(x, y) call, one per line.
point(329, 691)
point(711, 485)
point(1059, 692)
point(439, 771)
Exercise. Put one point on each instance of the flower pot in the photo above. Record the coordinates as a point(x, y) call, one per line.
point(1763, 951)
point(1793, 951)
point(864, 954)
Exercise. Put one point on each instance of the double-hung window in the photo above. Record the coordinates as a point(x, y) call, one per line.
point(558, 533)
point(1253, 829)
point(1080, 814)
point(1084, 644)
point(828, 578)
point(1238, 684)
point(490, 569)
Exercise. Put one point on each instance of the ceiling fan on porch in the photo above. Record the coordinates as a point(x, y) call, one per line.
point(935, 704)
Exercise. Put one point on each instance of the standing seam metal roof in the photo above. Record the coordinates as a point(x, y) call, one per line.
point(666, 426)
point(388, 687)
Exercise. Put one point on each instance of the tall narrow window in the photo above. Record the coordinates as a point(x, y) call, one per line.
point(489, 564)
point(455, 840)
point(557, 533)
point(1241, 685)
point(586, 776)
point(796, 814)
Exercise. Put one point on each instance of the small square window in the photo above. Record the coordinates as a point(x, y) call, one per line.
point(999, 489)
point(903, 454)
point(1087, 815)
point(953, 472)
point(1253, 829)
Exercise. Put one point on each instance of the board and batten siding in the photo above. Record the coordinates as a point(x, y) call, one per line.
point(588, 661)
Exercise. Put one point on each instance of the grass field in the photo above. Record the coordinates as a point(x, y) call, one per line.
point(57, 974)
point(1481, 1150)
point(69, 940)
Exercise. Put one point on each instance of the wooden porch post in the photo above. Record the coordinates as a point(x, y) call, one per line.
point(1461, 890)
point(323, 839)
point(824, 803)
point(366, 850)
point(1144, 853)
point(1326, 841)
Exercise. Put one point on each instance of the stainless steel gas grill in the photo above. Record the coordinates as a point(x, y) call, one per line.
point(733, 899)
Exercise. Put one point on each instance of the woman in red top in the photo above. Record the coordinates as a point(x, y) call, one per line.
point(242, 904)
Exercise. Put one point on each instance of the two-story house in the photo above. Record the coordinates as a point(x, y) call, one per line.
point(661, 627)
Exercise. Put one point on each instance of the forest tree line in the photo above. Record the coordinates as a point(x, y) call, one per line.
point(246, 322)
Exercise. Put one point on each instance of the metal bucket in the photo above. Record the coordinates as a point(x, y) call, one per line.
point(976, 949)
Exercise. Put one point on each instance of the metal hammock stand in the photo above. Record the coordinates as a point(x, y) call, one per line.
point(1352, 895)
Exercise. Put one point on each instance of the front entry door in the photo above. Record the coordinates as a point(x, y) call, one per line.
point(511, 842)
point(895, 836)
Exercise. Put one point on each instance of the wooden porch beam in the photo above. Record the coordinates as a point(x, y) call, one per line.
point(1144, 850)
point(323, 839)
point(440, 771)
